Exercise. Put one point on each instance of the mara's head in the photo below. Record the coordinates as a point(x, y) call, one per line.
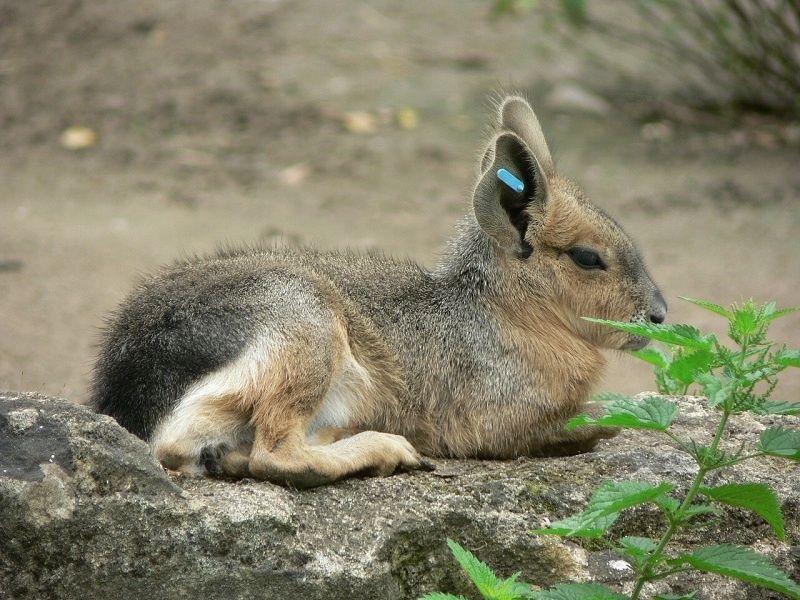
point(561, 251)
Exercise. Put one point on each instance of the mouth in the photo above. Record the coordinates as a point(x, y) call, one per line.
point(635, 343)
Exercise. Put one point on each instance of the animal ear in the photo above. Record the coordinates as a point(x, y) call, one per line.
point(516, 115)
point(502, 209)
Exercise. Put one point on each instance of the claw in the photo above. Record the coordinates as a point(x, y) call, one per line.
point(427, 465)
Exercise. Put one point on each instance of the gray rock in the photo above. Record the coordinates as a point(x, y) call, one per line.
point(86, 513)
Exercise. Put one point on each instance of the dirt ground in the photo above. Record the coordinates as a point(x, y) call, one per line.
point(339, 123)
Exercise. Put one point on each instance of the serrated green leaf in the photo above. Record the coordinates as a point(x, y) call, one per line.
point(480, 574)
point(668, 503)
point(488, 584)
point(606, 397)
point(652, 412)
point(700, 509)
point(714, 389)
point(757, 374)
point(743, 564)
point(614, 496)
point(709, 458)
point(670, 506)
point(777, 441)
point(777, 314)
point(787, 357)
point(757, 497)
point(441, 596)
point(745, 319)
point(578, 591)
point(767, 309)
point(679, 335)
point(637, 549)
point(640, 546)
point(512, 589)
point(579, 526)
point(688, 365)
point(715, 308)
point(773, 407)
point(655, 357)
point(667, 385)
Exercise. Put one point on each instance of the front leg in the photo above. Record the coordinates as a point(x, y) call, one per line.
point(294, 462)
point(563, 442)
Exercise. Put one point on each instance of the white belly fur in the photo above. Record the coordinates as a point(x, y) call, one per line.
point(344, 404)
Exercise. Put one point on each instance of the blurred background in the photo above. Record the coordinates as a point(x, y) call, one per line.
point(132, 133)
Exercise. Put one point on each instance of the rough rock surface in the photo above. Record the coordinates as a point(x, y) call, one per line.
point(86, 513)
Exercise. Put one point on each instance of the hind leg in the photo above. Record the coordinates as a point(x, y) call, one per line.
point(205, 434)
point(284, 451)
point(211, 427)
point(210, 430)
point(266, 414)
point(565, 442)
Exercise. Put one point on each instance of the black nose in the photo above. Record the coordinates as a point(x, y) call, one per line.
point(658, 312)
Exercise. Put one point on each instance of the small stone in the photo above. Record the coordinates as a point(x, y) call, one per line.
point(658, 131)
point(78, 137)
point(571, 97)
point(765, 139)
point(791, 133)
point(619, 565)
point(9, 265)
point(294, 175)
point(407, 118)
point(359, 122)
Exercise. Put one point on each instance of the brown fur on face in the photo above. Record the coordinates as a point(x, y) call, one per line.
point(622, 291)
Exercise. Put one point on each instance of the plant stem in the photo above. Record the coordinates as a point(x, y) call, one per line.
point(736, 461)
point(668, 572)
point(684, 446)
point(676, 521)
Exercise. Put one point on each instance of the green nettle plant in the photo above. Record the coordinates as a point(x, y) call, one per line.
point(734, 381)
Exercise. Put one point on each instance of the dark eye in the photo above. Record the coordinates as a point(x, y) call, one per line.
point(586, 258)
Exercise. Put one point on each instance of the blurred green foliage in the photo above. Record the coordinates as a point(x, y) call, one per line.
point(736, 52)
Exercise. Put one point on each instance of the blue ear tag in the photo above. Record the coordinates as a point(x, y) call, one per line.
point(510, 180)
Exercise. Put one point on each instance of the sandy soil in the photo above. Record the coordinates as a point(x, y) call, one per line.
point(225, 122)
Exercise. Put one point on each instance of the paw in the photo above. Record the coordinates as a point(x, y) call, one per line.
point(593, 409)
point(210, 459)
point(220, 461)
point(606, 433)
point(178, 460)
point(593, 436)
point(595, 433)
point(395, 453)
